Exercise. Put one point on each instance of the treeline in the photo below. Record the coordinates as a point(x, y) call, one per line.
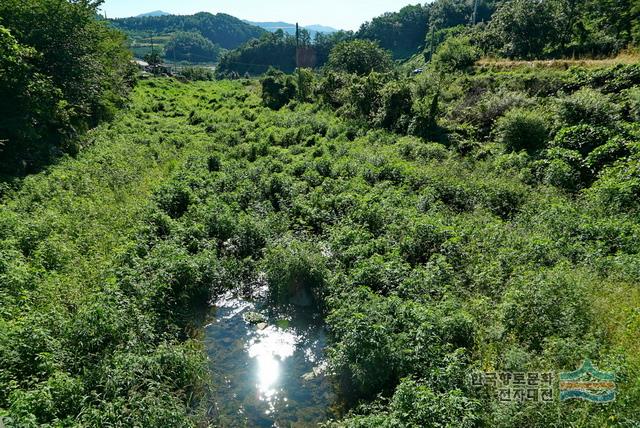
point(191, 47)
point(61, 72)
point(400, 32)
point(279, 50)
point(559, 28)
point(220, 29)
point(520, 29)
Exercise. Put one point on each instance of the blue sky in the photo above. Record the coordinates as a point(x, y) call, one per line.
point(341, 14)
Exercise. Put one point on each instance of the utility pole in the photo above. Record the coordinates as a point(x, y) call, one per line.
point(297, 45)
point(474, 19)
point(298, 61)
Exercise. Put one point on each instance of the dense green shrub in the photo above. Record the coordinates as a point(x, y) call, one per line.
point(633, 103)
point(607, 154)
point(582, 138)
point(619, 187)
point(59, 78)
point(359, 57)
point(416, 405)
point(455, 54)
point(521, 129)
point(395, 106)
point(588, 106)
point(483, 110)
point(277, 89)
point(295, 272)
point(426, 239)
point(562, 173)
point(195, 74)
point(546, 304)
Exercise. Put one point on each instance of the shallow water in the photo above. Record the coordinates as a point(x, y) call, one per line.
point(268, 377)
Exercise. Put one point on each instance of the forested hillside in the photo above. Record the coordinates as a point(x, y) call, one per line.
point(221, 29)
point(522, 29)
point(167, 245)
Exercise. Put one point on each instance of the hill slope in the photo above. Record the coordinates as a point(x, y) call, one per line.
point(221, 29)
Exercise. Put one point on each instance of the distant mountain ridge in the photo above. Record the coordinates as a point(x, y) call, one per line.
point(291, 28)
point(154, 13)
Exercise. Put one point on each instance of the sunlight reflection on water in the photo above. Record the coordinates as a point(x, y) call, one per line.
point(271, 374)
point(270, 348)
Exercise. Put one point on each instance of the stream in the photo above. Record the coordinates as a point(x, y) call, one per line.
point(268, 367)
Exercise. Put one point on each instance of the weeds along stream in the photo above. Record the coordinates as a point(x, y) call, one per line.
point(344, 263)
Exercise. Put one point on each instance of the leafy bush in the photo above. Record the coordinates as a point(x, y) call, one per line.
point(455, 54)
point(549, 303)
point(607, 154)
point(618, 189)
point(295, 272)
point(483, 110)
point(588, 106)
point(416, 405)
point(196, 74)
point(359, 57)
point(581, 138)
point(395, 106)
point(521, 129)
point(633, 103)
point(277, 89)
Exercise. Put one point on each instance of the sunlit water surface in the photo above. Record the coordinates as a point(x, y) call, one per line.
point(268, 377)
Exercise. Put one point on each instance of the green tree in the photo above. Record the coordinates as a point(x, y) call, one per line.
point(276, 50)
point(29, 107)
point(403, 32)
point(75, 73)
point(191, 47)
point(359, 57)
point(635, 23)
point(523, 28)
point(456, 53)
point(277, 89)
point(153, 58)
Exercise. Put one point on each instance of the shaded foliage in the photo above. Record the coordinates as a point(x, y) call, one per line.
point(59, 77)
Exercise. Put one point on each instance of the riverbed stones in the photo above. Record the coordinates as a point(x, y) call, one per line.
point(262, 326)
point(254, 318)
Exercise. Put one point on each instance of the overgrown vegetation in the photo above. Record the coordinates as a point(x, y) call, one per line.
point(459, 220)
point(426, 256)
point(58, 78)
